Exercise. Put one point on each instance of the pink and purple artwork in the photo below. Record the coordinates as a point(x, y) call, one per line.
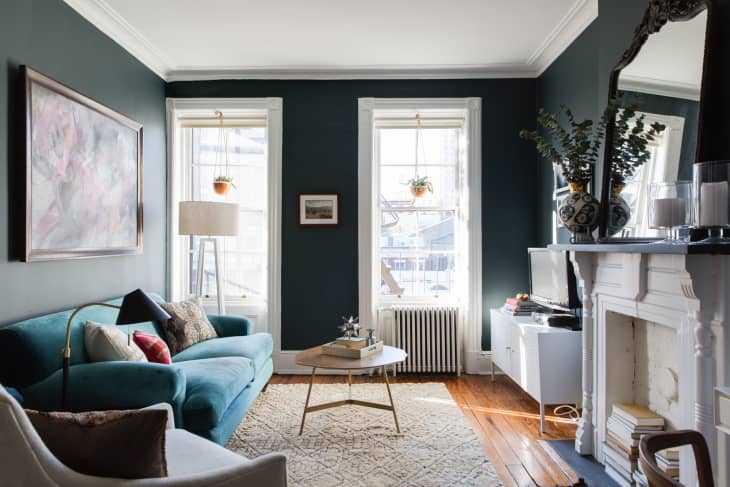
point(84, 183)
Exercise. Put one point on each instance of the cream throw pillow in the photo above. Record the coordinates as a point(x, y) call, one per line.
point(106, 343)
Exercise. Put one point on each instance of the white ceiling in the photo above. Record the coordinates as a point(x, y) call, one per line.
point(670, 63)
point(194, 39)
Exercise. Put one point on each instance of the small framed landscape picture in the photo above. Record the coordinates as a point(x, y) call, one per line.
point(319, 209)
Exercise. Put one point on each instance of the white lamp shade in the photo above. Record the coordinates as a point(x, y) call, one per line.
point(209, 218)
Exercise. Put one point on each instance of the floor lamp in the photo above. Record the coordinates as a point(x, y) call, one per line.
point(209, 220)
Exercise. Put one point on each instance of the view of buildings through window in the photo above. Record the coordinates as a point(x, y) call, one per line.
point(244, 256)
point(418, 234)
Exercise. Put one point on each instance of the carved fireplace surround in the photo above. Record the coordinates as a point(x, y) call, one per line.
point(661, 305)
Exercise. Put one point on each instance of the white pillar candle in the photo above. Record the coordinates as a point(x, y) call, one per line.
point(714, 204)
point(668, 212)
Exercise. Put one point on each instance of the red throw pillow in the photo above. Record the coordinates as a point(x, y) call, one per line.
point(153, 347)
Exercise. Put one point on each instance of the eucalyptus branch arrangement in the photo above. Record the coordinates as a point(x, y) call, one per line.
point(573, 148)
point(630, 140)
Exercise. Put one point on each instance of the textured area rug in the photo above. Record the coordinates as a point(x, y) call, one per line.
point(357, 446)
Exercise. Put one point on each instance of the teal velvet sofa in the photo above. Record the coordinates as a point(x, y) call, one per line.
point(210, 385)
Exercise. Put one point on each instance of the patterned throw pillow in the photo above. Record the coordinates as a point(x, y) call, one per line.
point(119, 444)
point(153, 347)
point(187, 326)
point(105, 343)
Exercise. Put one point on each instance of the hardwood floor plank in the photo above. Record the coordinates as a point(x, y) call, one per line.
point(520, 476)
point(575, 480)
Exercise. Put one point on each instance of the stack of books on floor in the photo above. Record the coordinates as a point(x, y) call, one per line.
point(515, 307)
point(624, 429)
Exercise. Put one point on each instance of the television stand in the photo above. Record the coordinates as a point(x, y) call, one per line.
point(544, 361)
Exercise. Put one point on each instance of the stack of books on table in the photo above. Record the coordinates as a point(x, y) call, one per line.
point(515, 307)
point(624, 429)
point(351, 347)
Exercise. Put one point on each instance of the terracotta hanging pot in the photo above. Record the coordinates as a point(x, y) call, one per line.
point(419, 191)
point(221, 187)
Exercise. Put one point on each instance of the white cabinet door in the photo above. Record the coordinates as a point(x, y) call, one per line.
point(500, 333)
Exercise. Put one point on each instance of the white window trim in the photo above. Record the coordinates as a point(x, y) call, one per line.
point(368, 225)
point(272, 108)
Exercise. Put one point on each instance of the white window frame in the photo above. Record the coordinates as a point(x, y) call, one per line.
point(271, 109)
point(663, 167)
point(370, 298)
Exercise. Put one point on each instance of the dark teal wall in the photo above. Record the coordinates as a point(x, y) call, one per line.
point(50, 37)
point(578, 79)
point(319, 266)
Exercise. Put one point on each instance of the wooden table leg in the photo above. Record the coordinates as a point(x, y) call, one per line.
point(306, 403)
point(390, 396)
point(349, 385)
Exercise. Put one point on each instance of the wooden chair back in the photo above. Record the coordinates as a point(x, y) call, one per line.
point(651, 444)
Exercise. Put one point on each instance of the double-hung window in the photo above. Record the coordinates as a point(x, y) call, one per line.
point(419, 230)
point(420, 246)
point(243, 145)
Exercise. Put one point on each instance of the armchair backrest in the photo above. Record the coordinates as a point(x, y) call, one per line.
point(30, 350)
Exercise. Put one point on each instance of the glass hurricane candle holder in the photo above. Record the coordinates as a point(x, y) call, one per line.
point(670, 208)
point(713, 198)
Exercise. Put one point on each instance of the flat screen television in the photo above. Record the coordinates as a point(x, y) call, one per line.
point(552, 280)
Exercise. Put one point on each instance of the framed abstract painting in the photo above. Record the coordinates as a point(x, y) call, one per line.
point(83, 175)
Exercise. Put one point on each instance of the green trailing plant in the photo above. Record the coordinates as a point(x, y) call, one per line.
point(574, 149)
point(630, 140)
point(224, 179)
point(420, 183)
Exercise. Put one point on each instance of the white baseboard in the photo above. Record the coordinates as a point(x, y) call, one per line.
point(478, 363)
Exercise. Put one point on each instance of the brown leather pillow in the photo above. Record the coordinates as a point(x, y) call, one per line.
point(119, 444)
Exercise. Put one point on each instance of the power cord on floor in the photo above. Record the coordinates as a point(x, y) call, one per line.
point(567, 411)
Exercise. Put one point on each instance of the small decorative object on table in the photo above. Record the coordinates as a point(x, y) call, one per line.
point(712, 193)
point(372, 339)
point(338, 349)
point(574, 150)
point(350, 327)
point(670, 207)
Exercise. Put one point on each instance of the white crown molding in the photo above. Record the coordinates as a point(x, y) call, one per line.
point(659, 87)
point(580, 16)
point(355, 72)
point(107, 20)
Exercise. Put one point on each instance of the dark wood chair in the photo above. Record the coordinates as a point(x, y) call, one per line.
point(651, 444)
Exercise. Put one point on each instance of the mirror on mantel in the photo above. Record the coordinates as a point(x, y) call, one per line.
point(662, 83)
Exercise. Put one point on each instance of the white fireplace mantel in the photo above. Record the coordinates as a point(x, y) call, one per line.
point(685, 291)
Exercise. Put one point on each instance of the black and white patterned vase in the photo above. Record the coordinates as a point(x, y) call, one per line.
point(619, 214)
point(579, 214)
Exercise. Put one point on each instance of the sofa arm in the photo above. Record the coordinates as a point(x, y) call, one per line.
point(230, 325)
point(101, 386)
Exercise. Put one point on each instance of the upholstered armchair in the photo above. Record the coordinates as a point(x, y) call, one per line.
point(192, 461)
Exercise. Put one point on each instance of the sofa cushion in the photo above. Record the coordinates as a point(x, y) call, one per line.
point(153, 347)
point(257, 347)
point(188, 325)
point(119, 444)
point(106, 343)
point(212, 385)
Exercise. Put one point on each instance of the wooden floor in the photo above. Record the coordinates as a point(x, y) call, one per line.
point(506, 420)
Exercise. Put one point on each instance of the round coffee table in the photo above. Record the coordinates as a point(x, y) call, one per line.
point(313, 357)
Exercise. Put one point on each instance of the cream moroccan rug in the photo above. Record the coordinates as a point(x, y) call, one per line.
point(357, 446)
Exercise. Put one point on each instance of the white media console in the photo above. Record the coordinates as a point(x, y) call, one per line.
point(544, 361)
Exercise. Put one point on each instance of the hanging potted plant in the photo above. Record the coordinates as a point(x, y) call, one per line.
point(419, 186)
point(222, 183)
point(574, 149)
point(630, 142)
